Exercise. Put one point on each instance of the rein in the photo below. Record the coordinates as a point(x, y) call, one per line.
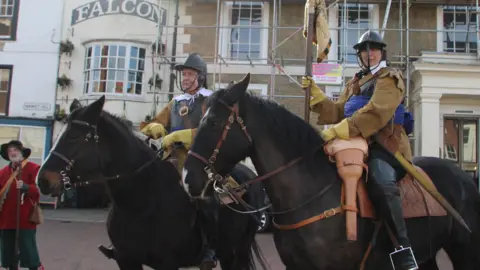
point(92, 133)
point(214, 177)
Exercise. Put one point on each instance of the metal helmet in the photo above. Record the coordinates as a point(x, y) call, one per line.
point(196, 62)
point(370, 38)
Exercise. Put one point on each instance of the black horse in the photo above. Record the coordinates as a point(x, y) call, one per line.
point(273, 137)
point(152, 220)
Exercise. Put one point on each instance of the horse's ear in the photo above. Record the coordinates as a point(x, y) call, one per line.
point(94, 110)
point(75, 105)
point(237, 90)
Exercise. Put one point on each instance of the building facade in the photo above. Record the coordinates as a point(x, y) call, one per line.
point(28, 71)
point(114, 53)
point(435, 44)
point(265, 38)
point(28, 68)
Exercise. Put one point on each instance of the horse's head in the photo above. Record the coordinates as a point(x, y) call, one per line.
point(76, 149)
point(222, 139)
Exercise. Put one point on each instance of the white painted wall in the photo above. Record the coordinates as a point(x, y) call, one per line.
point(34, 58)
point(115, 28)
point(441, 91)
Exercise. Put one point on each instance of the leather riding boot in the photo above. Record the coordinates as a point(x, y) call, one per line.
point(209, 228)
point(385, 196)
point(107, 252)
point(402, 257)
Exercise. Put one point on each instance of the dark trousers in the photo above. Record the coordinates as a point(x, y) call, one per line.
point(27, 241)
point(209, 221)
point(385, 171)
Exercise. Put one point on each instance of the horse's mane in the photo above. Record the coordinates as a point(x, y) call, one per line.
point(284, 127)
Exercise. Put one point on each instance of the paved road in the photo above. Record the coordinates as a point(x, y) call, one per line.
point(68, 240)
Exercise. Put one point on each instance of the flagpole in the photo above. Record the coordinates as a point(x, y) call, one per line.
point(309, 56)
point(17, 219)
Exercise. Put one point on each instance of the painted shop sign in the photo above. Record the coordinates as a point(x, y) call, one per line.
point(137, 8)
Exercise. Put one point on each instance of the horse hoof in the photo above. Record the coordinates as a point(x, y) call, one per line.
point(109, 253)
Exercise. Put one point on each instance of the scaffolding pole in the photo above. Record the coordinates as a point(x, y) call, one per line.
point(478, 41)
point(275, 61)
point(407, 53)
point(385, 18)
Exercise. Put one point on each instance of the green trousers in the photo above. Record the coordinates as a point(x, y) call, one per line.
point(28, 248)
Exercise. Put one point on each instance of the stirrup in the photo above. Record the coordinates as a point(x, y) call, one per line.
point(400, 250)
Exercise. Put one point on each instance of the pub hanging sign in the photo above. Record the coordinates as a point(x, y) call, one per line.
point(138, 8)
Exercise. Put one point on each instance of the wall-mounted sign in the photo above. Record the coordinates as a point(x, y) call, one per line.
point(137, 8)
point(324, 73)
point(34, 106)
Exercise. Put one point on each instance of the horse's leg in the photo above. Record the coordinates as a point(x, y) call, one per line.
point(429, 265)
point(127, 264)
point(462, 257)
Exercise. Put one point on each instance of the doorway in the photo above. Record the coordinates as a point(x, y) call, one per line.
point(460, 144)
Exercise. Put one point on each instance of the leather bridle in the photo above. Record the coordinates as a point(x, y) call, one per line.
point(70, 162)
point(213, 176)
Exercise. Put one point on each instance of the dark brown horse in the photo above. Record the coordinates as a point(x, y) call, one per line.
point(273, 137)
point(152, 220)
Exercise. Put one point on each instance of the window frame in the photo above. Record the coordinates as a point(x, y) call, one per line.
point(20, 132)
point(13, 35)
point(252, 86)
point(441, 31)
point(9, 90)
point(128, 46)
point(224, 34)
point(335, 32)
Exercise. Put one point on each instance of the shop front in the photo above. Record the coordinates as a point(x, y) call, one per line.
point(34, 134)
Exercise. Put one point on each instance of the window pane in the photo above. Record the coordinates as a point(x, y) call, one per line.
point(111, 62)
point(450, 139)
point(354, 19)
point(34, 138)
point(470, 141)
point(111, 87)
point(121, 63)
point(111, 75)
point(122, 51)
point(248, 15)
point(109, 72)
point(113, 50)
point(134, 52)
point(138, 89)
point(133, 64)
point(120, 75)
point(8, 133)
point(462, 20)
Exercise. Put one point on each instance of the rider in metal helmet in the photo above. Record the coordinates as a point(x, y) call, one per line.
point(193, 71)
point(370, 40)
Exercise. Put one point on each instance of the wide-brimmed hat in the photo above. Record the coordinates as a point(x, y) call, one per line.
point(14, 143)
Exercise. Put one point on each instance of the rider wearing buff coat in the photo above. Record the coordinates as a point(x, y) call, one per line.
point(177, 122)
point(372, 105)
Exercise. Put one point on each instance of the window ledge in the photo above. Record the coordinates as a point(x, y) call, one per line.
point(113, 96)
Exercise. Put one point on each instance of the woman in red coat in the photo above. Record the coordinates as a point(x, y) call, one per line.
point(10, 181)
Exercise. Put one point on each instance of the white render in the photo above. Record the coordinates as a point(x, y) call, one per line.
point(34, 58)
point(107, 26)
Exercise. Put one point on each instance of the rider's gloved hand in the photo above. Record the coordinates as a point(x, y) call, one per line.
point(184, 136)
point(338, 131)
point(154, 130)
point(317, 95)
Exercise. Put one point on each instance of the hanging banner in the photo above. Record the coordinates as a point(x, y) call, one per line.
point(327, 74)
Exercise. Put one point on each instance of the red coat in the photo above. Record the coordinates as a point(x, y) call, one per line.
point(8, 213)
